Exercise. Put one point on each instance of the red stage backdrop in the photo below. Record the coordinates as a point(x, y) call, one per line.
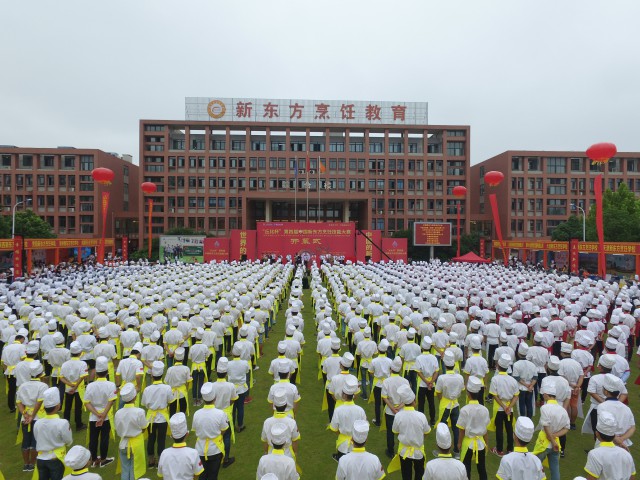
point(243, 242)
point(125, 248)
point(364, 248)
point(216, 249)
point(396, 248)
point(431, 234)
point(293, 238)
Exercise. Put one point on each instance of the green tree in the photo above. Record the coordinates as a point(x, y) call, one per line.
point(620, 214)
point(572, 228)
point(28, 225)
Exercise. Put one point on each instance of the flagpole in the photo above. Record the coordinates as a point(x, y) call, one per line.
point(319, 189)
point(307, 187)
point(295, 195)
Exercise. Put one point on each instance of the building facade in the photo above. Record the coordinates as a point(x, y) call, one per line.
point(541, 189)
point(234, 162)
point(56, 184)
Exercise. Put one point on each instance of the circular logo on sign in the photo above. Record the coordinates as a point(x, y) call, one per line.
point(216, 109)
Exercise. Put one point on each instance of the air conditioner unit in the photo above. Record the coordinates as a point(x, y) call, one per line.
point(72, 189)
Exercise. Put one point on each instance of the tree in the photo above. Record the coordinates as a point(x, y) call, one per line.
point(572, 228)
point(28, 225)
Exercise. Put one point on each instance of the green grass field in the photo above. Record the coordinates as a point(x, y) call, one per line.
point(316, 444)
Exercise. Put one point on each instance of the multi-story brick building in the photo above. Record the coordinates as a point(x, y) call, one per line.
point(541, 189)
point(233, 162)
point(57, 184)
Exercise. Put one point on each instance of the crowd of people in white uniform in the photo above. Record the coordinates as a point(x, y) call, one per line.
point(474, 353)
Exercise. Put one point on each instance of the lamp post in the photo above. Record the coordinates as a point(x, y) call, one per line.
point(584, 221)
point(13, 217)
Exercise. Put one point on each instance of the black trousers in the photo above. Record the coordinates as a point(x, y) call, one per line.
point(412, 469)
point(157, 433)
point(481, 465)
point(452, 413)
point(99, 435)
point(11, 394)
point(198, 380)
point(50, 469)
point(585, 386)
point(503, 420)
point(490, 354)
point(69, 400)
point(331, 404)
point(425, 393)
point(173, 406)
point(390, 438)
point(211, 467)
point(377, 401)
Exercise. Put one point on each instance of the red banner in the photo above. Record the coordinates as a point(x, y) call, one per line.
point(17, 256)
point(150, 233)
point(597, 189)
point(364, 246)
point(395, 248)
point(105, 209)
point(125, 248)
point(216, 249)
point(298, 238)
point(574, 256)
point(496, 222)
point(431, 234)
point(243, 244)
point(483, 248)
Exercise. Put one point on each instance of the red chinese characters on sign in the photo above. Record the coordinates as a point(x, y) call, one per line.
point(125, 248)
point(17, 257)
point(243, 245)
point(296, 238)
point(322, 111)
point(483, 247)
point(372, 112)
point(243, 109)
point(367, 245)
point(395, 249)
point(431, 234)
point(347, 111)
point(270, 110)
point(216, 249)
point(399, 112)
point(296, 110)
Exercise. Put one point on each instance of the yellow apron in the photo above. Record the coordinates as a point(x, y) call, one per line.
point(542, 442)
point(182, 389)
point(473, 443)
point(446, 404)
point(135, 446)
point(151, 415)
point(229, 413)
point(219, 442)
point(19, 437)
point(9, 373)
point(202, 367)
point(376, 381)
point(394, 465)
point(496, 408)
point(363, 360)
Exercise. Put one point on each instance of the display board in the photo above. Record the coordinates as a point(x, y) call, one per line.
point(187, 249)
point(432, 234)
point(298, 238)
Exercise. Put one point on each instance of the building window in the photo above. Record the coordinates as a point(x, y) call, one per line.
point(556, 165)
point(556, 206)
point(154, 128)
point(356, 147)
point(533, 164)
point(336, 147)
point(376, 147)
point(218, 144)
point(455, 133)
point(258, 146)
point(516, 164)
point(577, 165)
point(317, 147)
point(6, 161)
point(557, 186)
point(396, 147)
point(455, 149)
point(278, 146)
point(86, 162)
point(238, 145)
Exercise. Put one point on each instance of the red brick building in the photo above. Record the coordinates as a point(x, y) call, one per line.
point(234, 162)
point(540, 187)
point(57, 184)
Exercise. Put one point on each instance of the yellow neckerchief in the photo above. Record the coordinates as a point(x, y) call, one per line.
point(282, 356)
point(335, 355)
point(473, 402)
point(104, 341)
point(358, 449)
point(133, 356)
point(180, 445)
point(79, 472)
point(221, 380)
point(277, 414)
point(552, 401)
point(51, 416)
point(101, 379)
point(129, 405)
point(393, 374)
point(209, 407)
point(75, 358)
point(522, 450)
point(284, 380)
point(277, 451)
point(409, 409)
point(607, 444)
point(349, 402)
point(476, 355)
point(445, 455)
point(157, 382)
point(502, 373)
point(59, 346)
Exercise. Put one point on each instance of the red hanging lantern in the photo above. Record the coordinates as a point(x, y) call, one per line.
point(102, 175)
point(460, 191)
point(493, 178)
point(601, 152)
point(148, 187)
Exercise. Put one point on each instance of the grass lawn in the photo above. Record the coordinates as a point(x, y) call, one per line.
point(316, 444)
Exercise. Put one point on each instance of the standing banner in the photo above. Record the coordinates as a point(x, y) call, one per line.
point(216, 249)
point(105, 208)
point(395, 248)
point(496, 223)
point(483, 247)
point(574, 256)
point(125, 248)
point(243, 245)
point(364, 247)
point(291, 238)
point(602, 259)
point(17, 256)
point(150, 233)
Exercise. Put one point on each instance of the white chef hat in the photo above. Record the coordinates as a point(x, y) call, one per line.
point(504, 361)
point(128, 392)
point(284, 365)
point(279, 397)
point(179, 354)
point(607, 360)
point(102, 364)
point(474, 384)
point(566, 347)
point(524, 429)
point(155, 336)
point(157, 368)
point(178, 425)
point(475, 342)
point(36, 369)
point(347, 360)
point(449, 359)
point(77, 457)
point(279, 433)
point(549, 388)
point(426, 342)
point(137, 347)
point(607, 424)
point(223, 365)
point(383, 346)
point(611, 343)
point(396, 365)
point(443, 436)
point(350, 386)
point(33, 347)
point(406, 394)
point(360, 431)
point(611, 383)
point(51, 397)
point(335, 343)
point(207, 392)
point(553, 363)
point(75, 348)
point(523, 349)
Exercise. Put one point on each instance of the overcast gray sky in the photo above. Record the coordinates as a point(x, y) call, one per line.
point(544, 74)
